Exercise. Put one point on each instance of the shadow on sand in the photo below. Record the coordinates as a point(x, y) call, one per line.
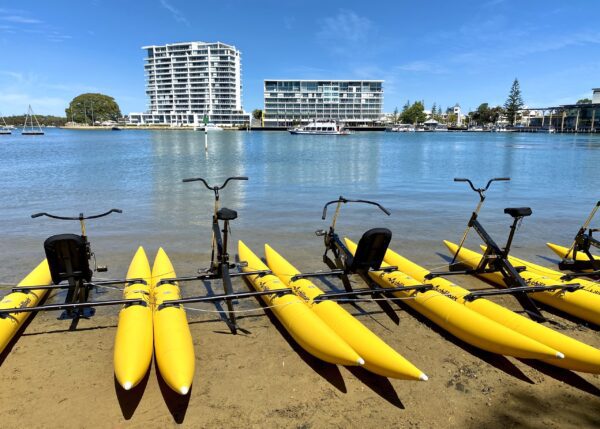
point(498, 361)
point(176, 403)
point(130, 399)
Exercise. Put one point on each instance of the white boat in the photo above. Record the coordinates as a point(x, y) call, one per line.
point(476, 129)
point(212, 127)
point(440, 128)
point(329, 128)
point(4, 129)
point(403, 128)
point(31, 131)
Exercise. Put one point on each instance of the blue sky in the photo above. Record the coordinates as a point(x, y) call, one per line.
point(445, 52)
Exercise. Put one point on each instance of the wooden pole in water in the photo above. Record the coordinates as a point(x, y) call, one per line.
point(205, 139)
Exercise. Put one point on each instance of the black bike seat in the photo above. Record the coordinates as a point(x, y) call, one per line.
point(226, 214)
point(518, 211)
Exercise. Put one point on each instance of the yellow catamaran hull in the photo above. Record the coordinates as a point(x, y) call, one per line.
point(587, 285)
point(307, 329)
point(10, 324)
point(134, 338)
point(379, 357)
point(578, 356)
point(173, 344)
point(580, 303)
point(562, 251)
point(459, 320)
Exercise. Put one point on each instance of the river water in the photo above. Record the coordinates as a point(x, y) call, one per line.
point(290, 178)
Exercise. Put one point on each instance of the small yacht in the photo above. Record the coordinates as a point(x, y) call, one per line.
point(321, 128)
point(31, 130)
point(4, 129)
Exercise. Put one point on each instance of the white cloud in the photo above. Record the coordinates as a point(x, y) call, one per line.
point(176, 13)
point(421, 67)
point(346, 33)
point(18, 19)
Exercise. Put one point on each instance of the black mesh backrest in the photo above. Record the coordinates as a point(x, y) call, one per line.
point(63, 249)
point(371, 249)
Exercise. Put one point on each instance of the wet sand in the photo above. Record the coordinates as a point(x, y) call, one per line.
point(53, 377)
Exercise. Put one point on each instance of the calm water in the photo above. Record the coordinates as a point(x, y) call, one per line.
point(291, 177)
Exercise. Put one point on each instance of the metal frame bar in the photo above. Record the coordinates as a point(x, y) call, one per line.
point(374, 291)
point(71, 306)
point(87, 284)
point(474, 294)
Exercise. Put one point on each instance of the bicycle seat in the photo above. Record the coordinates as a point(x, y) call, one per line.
point(226, 214)
point(518, 211)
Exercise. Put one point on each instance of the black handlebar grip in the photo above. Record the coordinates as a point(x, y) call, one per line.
point(33, 216)
point(117, 211)
point(386, 211)
point(190, 180)
point(501, 178)
point(460, 179)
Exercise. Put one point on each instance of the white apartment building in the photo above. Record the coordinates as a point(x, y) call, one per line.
point(353, 102)
point(187, 81)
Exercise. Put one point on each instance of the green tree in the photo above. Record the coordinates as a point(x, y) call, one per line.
point(584, 101)
point(257, 114)
point(433, 110)
point(513, 103)
point(414, 114)
point(395, 116)
point(91, 107)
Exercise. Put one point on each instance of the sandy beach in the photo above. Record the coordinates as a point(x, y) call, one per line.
point(54, 377)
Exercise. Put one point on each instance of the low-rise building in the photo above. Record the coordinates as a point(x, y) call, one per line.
point(293, 102)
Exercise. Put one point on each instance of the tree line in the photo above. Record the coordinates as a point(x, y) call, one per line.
point(484, 114)
point(19, 120)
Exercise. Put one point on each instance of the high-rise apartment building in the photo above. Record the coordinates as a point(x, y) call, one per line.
point(354, 102)
point(187, 81)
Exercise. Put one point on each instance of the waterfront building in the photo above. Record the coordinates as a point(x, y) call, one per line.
point(188, 83)
point(295, 102)
point(584, 117)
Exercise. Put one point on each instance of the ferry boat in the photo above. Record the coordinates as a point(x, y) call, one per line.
point(329, 128)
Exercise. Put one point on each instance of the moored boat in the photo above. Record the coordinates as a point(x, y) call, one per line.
point(329, 128)
point(173, 344)
point(134, 338)
point(307, 329)
point(379, 357)
point(578, 356)
point(459, 320)
point(580, 303)
point(28, 128)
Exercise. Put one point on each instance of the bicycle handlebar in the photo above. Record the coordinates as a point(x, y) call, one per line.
point(480, 190)
point(345, 200)
point(214, 188)
point(80, 217)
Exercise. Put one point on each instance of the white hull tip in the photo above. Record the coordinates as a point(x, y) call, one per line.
point(184, 390)
point(127, 385)
point(361, 361)
point(423, 377)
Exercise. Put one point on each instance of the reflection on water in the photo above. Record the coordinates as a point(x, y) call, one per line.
point(291, 177)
